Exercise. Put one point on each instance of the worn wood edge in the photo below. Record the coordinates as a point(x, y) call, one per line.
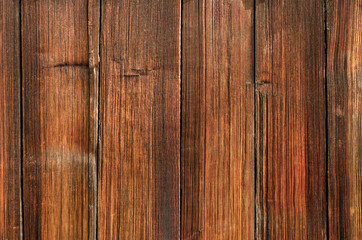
point(93, 51)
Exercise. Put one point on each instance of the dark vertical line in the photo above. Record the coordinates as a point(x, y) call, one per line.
point(98, 154)
point(21, 125)
point(89, 169)
point(325, 2)
point(180, 170)
point(255, 117)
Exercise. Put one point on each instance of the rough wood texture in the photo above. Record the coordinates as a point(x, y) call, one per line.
point(10, 138)
point(344, 75)
point(217, 120)
point(140, 120)
point(291, 146)
point(57, 111)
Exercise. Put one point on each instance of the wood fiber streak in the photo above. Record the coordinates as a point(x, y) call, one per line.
point(140, 120)
point(57, 93)
point(291, 131)
point(217, 173)
point(344, 78)
point(93, 51)
point(10, 153)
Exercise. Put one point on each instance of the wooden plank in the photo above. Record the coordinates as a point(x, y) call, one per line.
point(291, 131)
point(57, 93)
point(344, 76)
point(217, 120)
point(140, 120)
point(10, 153)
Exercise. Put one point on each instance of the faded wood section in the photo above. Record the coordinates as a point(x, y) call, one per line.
point(140, 120)
point(344, 75)
point(10, 137)
point(291, 131)
point(57, 93)
point(217, 120)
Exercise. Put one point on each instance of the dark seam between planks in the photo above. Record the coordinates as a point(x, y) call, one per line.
point(326, 110)
point(254, 116)
point(180, 163)
point(89, 116)
point(204, 56)
point(99, 110)
point(21, 125)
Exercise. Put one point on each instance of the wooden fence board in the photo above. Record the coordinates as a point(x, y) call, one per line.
point(57, 93)
point(140, 120)
point(344, 75)
point(291, 131)
point(217, 178)
point(209, 119)
point(10, 137)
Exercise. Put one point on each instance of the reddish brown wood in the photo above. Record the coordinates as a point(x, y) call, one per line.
point(291, 129)
point(306, 119)
point(140, 120)
point(344, 75)
point(217, 120)
point(57, 91)
point(10, 153)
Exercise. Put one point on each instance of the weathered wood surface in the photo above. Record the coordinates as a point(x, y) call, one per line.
point(57, 125)
point(140, 120)
point(214, 119)
point(10, 133)
point(344, 75)
point(217, 120)
point(291, 129)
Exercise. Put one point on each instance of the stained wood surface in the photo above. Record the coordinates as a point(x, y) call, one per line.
point(56, 107)
point(140, 120)
point(217, 179)
point(291, 120)
point(159, 119)
point(344, 75)
point(10, 136)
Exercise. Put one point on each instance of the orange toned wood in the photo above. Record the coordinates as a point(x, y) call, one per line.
point(217, 179)
point(344, 75)
point(291, 129)
point(10, 137)
point(57, 92)
point(140, 120)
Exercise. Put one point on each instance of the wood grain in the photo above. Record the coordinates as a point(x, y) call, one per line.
point(140, 120)
point(344, 75)
point(10, 137)
point(217, 120)
point(291, 131)
point(57, 172)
